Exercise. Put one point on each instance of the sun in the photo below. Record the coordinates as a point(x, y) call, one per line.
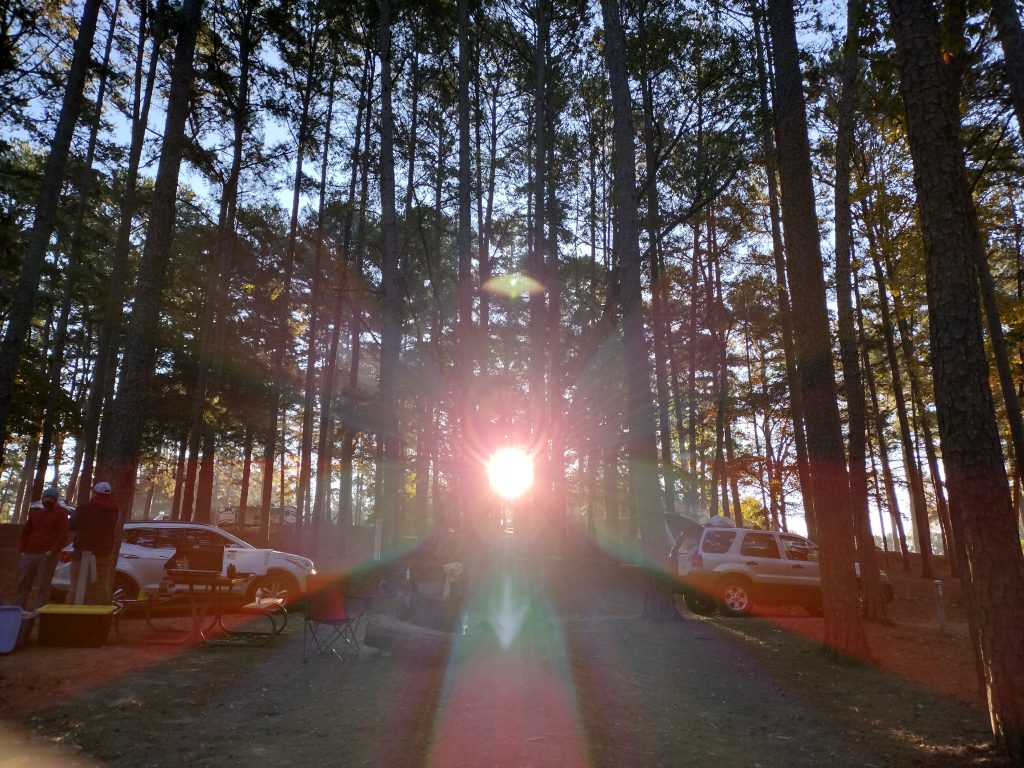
point(510, 472)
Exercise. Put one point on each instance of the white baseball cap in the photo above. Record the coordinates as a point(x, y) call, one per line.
point(101, 487)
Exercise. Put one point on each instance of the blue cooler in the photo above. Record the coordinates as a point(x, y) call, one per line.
point(10, 627)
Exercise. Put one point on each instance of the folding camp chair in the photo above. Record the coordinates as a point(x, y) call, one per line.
point(332, 618)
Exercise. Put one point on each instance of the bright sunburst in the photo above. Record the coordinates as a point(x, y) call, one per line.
point(510, 472)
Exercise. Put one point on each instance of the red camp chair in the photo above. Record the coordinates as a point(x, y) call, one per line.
point(332, 618)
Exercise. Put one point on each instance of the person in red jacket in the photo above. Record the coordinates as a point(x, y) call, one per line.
point(42, 539)
point(95, 525)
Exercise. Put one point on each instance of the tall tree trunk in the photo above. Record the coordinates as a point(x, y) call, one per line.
point(462, 391)
point(796, 397)
point(110, 328)
point(659, 287)
point(179, 478)
point(243, 495)
point(325, 445)
point(536, 263)
point(641, 440)
point(485, 202)
point(350, 436)
point(872, 599)
point(24, 498)
point(919, 507)
point(979, 495)
point(283, 335)
point(421, 473)
point(56, 362)
point(892, 503)
point(241, 109)
point(119, 454)
point(306, 512)
point(899, 536)
point(1011, 39)
point(555, 465)
point(830, 489)
point(720, 331)
point(23, 302)
point(1001, 358)
point(391, 315)
point(734, 485)
point(916, 394)
point(610, 485)
point(692, 495)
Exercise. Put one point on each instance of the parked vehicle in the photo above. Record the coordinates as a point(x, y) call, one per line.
point(147, 545)
point(736, 569)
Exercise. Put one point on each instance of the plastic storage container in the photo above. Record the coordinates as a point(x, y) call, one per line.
point(75, 625)
point(10, 627)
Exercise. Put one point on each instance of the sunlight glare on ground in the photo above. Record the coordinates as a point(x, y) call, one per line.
point(507, 615)
point(510, 472)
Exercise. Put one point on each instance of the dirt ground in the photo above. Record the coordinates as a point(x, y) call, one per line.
point(556, 668)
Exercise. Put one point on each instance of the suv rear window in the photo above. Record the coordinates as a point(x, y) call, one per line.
point(718, 542)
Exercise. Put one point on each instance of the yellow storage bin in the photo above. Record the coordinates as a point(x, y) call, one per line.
point(85, 626)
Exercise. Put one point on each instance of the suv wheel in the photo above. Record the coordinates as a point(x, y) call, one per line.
point(702, 606)
point(124, 590)
point(735, 599)
point(275, 586)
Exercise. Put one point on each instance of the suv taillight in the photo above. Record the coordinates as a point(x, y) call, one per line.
point(696, 561)
point(65, 556)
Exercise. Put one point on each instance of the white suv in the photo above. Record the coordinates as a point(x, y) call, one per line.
point(735, 569)
point(147, 545)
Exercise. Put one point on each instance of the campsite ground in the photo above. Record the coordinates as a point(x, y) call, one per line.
point(558, 669)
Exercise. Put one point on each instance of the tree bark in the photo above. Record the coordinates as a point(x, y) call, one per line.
point(917, 396)
point(119, 454)
point(307, 511)
point(979, 495)
point(241, 110)
point(830, 490)
point(110, 328)
point(463, 389)
point(391, 317)
point(1011, 39)
point(641, 440)
point(872, 599)
point(659, 286)
point(56, 362)
point(325, 444)
point(536, 267)
point(283, 300)
point(918, 504)
point(796, 399)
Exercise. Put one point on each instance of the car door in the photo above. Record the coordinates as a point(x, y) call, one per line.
point(761, 560)
point(804, 569)
point(144, 551)
point(233, 550)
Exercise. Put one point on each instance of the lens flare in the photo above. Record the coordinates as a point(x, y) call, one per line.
point(513, 286)
point(510, 472)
